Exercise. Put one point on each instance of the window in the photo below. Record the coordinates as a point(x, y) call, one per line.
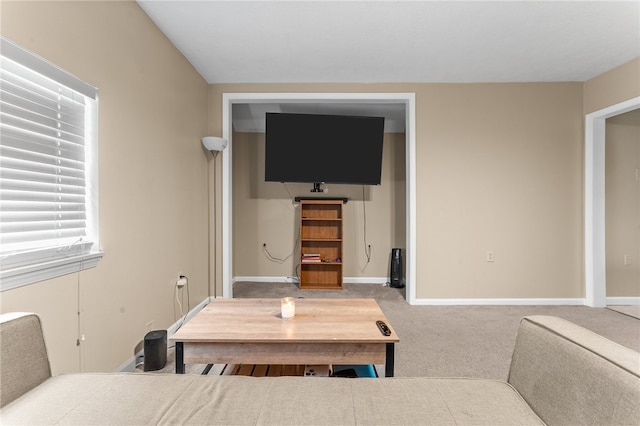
point(48, 170)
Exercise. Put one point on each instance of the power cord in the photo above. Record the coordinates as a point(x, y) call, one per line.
point(367, 247)
point(183, 315)
point(272, 258)
point(288, 192)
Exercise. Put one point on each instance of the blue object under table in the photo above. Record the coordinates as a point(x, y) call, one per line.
point(366, 370)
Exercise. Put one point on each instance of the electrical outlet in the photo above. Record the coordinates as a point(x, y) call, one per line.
point(626, 260)
point(490, 256)
point(181, 281)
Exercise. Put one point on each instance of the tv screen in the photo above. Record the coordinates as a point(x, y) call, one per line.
point(323, 148)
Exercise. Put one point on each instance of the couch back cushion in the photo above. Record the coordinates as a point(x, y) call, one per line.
point(23, 355)
point(570, 375)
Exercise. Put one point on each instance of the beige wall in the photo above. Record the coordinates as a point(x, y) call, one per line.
point(499, 167)
point(500, 170)
point(264, 212)
point(622, 160)
point(612, 87)
point(153, 180)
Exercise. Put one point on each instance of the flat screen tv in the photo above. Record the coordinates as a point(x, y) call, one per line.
point(319, 148)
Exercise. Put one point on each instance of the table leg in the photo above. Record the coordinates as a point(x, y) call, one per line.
point(179, 357)
point(389, 361)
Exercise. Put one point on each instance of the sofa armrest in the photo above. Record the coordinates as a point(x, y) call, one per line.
point(570, 375)
point(24, 363)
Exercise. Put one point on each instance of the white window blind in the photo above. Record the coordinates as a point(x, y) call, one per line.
point(48, 169)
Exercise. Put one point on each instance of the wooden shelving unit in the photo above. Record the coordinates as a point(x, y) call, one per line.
point(321, 235)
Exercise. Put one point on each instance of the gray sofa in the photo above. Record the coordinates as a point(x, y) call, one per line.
point(560, 374)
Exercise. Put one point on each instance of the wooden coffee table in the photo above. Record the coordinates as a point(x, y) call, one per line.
point(251, 331)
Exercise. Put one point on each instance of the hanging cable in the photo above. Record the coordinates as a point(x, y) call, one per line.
point(367, 247)
point(180, 301)
point(288, 192)
point(272, 258)
point(79, 320)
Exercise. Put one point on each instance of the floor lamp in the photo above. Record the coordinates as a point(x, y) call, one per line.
point(214, 145)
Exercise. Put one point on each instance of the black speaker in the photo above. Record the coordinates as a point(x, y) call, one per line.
point(155, 350)
point(396, 269)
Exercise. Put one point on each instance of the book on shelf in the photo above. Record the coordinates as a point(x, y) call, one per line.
point(310, 257)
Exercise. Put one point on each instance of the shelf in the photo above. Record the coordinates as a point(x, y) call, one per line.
point(321, 286)
point(321, 235)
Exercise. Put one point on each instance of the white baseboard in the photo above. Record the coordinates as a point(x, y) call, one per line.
point(366, 280)
point(347, 280)
point(176, 325)
point(623, 301)
point(266, 279)
point(519, 301)
point(130, 364)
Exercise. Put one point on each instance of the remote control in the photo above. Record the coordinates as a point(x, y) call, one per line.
point(383, 328)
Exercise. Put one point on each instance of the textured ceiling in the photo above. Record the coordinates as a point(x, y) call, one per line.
point(399, 41)
point(394, 42)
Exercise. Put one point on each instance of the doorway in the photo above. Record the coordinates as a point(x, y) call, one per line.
point(594, 201)
point(622, 208)
point(407, 99)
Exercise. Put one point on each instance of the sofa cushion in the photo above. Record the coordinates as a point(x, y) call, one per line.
point(235, 400)
point(570, 375)
point(23, 354)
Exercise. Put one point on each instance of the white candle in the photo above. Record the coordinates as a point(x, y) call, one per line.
point(288, 307)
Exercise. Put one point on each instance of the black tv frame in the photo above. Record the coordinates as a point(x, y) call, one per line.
point(323, 148)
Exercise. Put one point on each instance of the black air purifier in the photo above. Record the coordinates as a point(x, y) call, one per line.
point(155, 350)
point(395, 269)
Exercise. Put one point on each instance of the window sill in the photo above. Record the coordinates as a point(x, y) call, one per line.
point(25, 275)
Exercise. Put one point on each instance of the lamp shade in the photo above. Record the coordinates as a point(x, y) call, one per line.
point(213, 143)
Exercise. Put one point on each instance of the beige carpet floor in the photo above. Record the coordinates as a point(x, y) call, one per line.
point(632, 311)
point(451, 341)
